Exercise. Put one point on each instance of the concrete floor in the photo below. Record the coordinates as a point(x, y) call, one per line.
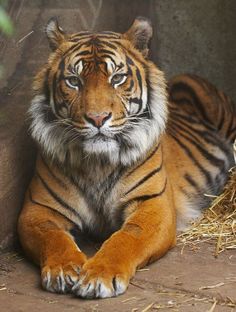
point(184, 280)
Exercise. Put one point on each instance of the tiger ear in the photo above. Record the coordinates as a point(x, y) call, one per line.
point(54, 33)
point(140, 34)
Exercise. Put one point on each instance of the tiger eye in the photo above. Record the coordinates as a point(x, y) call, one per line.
point(74, 81)
point(117, 78)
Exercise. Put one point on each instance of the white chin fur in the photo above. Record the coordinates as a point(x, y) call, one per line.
point(108, 148)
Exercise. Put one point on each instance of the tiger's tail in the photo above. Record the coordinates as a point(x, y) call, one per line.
point(200, 98)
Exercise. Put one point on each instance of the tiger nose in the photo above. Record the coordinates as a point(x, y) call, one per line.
point(97, 119)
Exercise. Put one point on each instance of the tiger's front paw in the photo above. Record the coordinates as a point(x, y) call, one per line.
point(60, 278)
point(101, 279)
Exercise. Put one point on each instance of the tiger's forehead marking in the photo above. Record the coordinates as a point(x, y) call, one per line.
point(94, 52)
point(111, 66)
point(79, 67)
point(88, 35)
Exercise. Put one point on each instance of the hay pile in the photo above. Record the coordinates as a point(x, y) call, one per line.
point(218, 223)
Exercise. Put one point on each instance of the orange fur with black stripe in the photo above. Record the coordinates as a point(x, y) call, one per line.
point(113, 163)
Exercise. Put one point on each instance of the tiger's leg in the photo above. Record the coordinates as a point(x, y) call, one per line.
point(146, 236)
point(45, 237)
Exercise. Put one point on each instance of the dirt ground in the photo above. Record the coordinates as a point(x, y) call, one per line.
point(184, 280)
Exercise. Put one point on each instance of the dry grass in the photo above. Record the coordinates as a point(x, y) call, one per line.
point(218, 223)
point(180, 300)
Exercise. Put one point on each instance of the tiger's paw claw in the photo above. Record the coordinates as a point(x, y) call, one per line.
point(100, 281)
point(59, 279)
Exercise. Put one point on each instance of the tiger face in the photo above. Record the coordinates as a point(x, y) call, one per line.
point(99, 96)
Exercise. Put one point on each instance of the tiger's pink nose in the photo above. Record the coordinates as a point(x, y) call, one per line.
point(97, 119)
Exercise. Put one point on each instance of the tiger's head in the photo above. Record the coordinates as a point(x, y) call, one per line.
point(99, 96)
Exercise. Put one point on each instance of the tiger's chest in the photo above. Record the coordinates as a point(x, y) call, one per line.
point(100, 202)
point(108, 195)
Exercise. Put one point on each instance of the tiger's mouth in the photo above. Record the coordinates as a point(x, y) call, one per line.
point(102, 134)
point(106, 140)
point(100, 137)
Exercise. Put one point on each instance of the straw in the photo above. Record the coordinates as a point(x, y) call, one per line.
point(218, 223)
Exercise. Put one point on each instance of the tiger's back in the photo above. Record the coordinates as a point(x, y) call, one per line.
point(198, 142)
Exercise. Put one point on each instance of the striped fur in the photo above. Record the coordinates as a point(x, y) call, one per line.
point(202, 126)
point(117, 163)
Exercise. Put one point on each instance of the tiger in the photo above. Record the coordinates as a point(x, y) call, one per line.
point(124, 158)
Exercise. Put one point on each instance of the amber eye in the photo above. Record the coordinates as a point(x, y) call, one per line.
point(73, 82)
point(118, 79)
